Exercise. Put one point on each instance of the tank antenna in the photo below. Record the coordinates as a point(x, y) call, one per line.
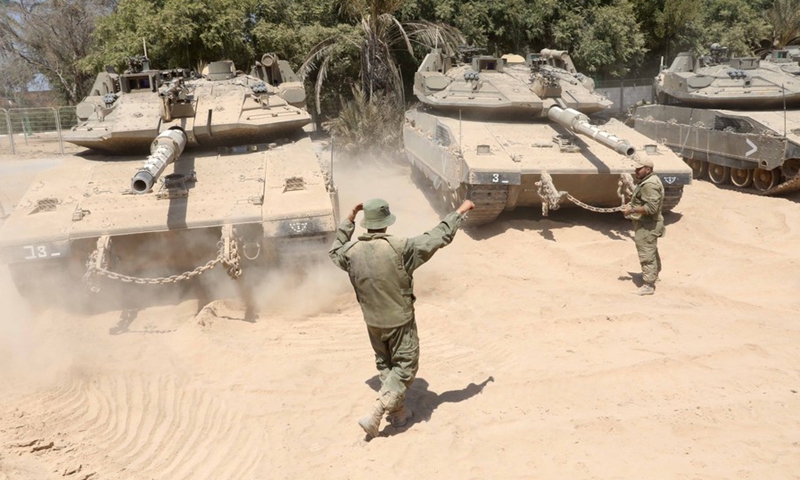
point(783, 88)
point(459, 132)
point(144, 44)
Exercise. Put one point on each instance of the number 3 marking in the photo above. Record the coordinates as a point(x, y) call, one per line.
point(495, 177)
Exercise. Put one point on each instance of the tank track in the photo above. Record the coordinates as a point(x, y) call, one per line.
point(489, 200)
point(672, 196)
point(791, 185)
point(787, 186)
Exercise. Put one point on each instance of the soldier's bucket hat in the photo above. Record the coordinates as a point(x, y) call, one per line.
point(377, 214)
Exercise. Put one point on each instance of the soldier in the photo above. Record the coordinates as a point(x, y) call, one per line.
point(381, 269)
point(648, 223)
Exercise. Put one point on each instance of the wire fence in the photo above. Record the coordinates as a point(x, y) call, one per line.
point(32, 131)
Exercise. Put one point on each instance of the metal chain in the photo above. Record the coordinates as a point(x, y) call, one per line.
point(552, 197)
point(228, 255)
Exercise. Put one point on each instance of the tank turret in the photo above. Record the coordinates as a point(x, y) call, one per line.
point(219, 107)
point(719, 81)
point(731, 118)
point(515, 131)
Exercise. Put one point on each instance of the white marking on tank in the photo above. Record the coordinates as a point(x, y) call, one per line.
point(670, 180)
point(753, 147)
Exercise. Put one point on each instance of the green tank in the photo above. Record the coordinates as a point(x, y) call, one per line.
point(515, 132)
point(231, 179)
point(735, 120)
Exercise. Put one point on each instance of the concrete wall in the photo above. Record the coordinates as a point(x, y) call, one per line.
point(625, 95)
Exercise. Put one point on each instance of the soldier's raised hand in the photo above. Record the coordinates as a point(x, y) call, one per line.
point(465, 207)
point(354, 212)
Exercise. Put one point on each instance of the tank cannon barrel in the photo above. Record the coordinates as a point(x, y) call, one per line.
point(165, 149)
point(577, 122)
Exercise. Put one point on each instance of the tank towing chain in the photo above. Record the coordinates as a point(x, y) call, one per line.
point(228, 255)
point(551, 197)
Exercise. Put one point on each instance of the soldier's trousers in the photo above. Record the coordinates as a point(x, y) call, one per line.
point(396, 357)
point(647, 247)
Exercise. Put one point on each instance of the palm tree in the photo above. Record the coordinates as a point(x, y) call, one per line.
point(784, 18)
point(380, 33)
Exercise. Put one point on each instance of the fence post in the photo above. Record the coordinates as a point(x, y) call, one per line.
point(10, 132)
point(58, 130)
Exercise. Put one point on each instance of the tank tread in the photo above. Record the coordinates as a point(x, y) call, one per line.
point(672, 196)
point(791, 185)
point(489, 200)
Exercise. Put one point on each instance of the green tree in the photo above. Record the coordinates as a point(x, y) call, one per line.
point(783, 19)
point(379, 34)
point(604, 39)
point(177, 33)
point(370, 113)
point(51, 36)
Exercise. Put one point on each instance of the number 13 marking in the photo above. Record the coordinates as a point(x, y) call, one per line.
point(35, 251)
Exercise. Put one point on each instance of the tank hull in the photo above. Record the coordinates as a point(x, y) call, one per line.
point(755, 151)
point(280, 203)
point(502, 162)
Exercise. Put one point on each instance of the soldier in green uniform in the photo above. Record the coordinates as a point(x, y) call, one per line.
point(648, 223)
point(381, 269)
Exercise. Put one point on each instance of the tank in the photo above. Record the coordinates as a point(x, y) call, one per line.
point(183, 172)
point(735, 120)
point(515, 132)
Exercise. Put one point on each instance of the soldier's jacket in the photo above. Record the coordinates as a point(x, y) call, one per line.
point(381, 268)
point(649, 193)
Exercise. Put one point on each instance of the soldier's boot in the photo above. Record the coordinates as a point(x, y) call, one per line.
point(372, 422)
point(646, 289)
point(400, 416)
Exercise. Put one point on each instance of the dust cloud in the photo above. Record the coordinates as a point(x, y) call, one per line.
point(384, 176)
point(26, 352)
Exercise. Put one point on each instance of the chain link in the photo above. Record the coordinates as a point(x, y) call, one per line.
point(552, 197)
point(228, 255)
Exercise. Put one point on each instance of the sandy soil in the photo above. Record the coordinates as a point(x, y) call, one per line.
point(537, 361)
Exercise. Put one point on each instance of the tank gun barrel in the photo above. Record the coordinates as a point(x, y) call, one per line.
point(577, 122)
point(165, 149)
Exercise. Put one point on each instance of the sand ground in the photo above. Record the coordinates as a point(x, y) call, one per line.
point(537, 361)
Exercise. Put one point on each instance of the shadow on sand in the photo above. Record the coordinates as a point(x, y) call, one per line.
point(423, 402)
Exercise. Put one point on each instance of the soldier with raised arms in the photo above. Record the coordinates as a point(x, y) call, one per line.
point(381, 269)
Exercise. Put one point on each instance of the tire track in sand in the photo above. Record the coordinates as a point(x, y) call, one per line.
point(131, 426)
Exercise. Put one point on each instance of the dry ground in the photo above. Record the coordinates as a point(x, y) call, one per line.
point(537, 361)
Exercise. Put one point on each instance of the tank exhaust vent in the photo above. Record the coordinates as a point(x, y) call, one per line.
point(46, 205)
point(294, 183)
point(484, 150)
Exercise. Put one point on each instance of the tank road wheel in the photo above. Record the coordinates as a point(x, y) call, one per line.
point(719, 174)
point(741, 177)
point(791, 168)
point(764, 180)
point(699, 168)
